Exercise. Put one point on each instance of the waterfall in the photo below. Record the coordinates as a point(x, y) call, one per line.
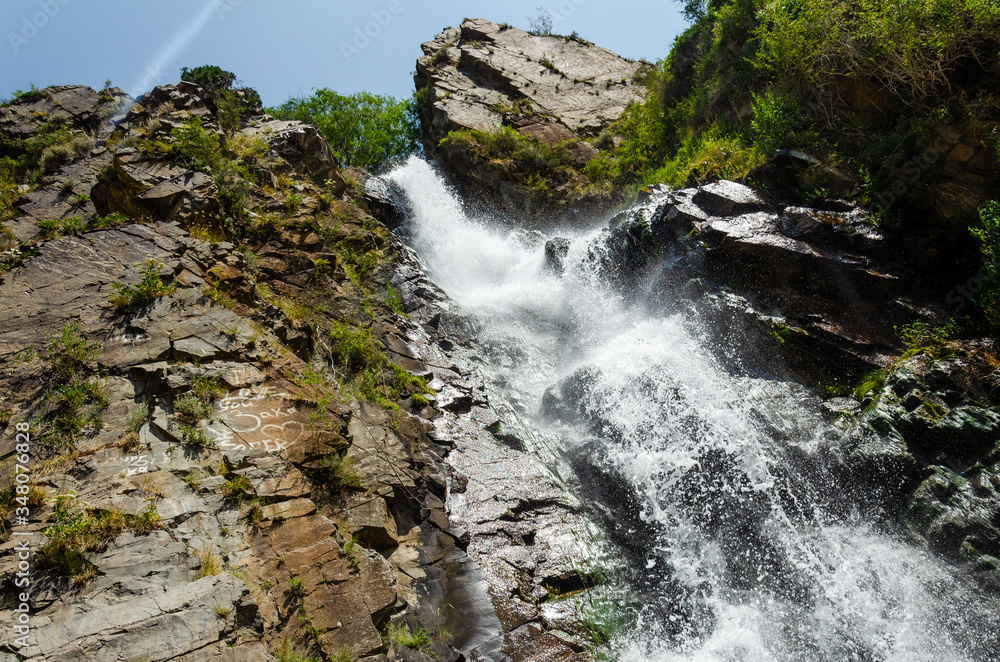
point(745, 558)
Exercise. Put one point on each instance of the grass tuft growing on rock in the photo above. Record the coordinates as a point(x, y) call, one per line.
point(400, 634)
point(72, 536)
point(150, 288)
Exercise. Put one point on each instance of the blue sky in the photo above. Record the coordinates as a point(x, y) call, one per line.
point(283, 48)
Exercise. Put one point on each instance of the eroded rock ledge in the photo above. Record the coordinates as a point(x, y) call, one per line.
point(291, 515)
point(556, 94)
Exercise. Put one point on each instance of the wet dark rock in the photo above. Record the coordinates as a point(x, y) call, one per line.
point(933, 433)
point(386, 202)
point(555, 252)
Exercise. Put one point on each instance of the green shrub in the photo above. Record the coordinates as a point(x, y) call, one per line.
point(355, 348)
point(209, 388)
point(78, 405)
point(48, 229)
point(338, 473)
point(192, 408)
point(988, 235)
point(920, 338)
point(363, 129)
point(137, 418)
point(288, 654)
point(297, 587)
point(70, 352)
point(751, 76)
point(114, 219)
point(402, 635)
point(209, 77)
point(149, 288)
point(25, 96)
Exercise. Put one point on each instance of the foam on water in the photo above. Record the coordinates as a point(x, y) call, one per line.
point(765, 571)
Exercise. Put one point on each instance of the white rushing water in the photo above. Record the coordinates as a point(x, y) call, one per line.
point(745, 561)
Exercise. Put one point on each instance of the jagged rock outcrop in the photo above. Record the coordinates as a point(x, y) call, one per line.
point(278, 514)
point(209, 483)
point(820, 290)
point(556, 94)
point(75, 106)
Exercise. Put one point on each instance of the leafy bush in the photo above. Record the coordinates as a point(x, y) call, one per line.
point(78, 406)
point(363, 129)
point(210, 77)
point(338, 473)
point(541, 24)
point(149, 288)
point(209, 388)
point(25, 96)
point(989, 245)
point(355, 348)
point(796, 65)
point(192, 408)
point(40, 153)
point(909, 46)
point(200, 149)
point(920, 338)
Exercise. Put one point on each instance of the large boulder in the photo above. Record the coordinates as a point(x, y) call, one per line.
point(554, 96)
point(479, 72)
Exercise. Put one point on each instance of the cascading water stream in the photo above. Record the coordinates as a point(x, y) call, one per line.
point(745, 561)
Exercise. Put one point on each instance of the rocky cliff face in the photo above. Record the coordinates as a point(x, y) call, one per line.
point(231, 447)
point(818, 295)
point(555, 96)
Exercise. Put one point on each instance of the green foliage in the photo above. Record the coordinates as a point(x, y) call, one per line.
point(909, 46)
point(774, 117)
point(50, 229)
point(149, 288)
point(9, 193)
point(37, 155)
point(70, 352)
point(192, 408)
point(363, 129)
point(297, 587)
point(193, 146)
point(288, 654)
point(72, 536)
point(401, 635)
point(339, 473)
point(77, 406)
point(393, 301)
point(541, 24)
point(871, 385)
point(25, 96)
point(137, 418)
point(355, 348)
point(209, 388)
point(750, 76)
point(238, 488)
point(920, 338)
point(602, 619)
point(988, 235)
point(76, 399)
point(210, 77)
point(112, 220)
point(200, 149)
point(210, 564)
